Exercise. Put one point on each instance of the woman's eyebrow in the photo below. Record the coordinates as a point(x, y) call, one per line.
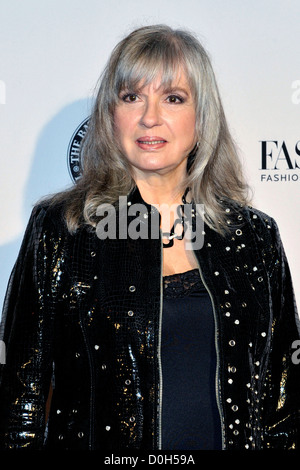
point(175, 89)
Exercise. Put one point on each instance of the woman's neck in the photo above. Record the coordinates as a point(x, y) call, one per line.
point(157, 191)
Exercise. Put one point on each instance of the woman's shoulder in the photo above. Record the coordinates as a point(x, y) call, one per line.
point(260, 220)
point(240, 213)
point(47, 215)
point(50, 214)
point(260, 227)
point(248, 219)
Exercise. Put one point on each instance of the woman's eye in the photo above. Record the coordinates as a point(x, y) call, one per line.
point(130, 98)
point(174, 99)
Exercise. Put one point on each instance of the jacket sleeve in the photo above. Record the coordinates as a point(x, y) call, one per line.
point(27, 335)
point(282, 429)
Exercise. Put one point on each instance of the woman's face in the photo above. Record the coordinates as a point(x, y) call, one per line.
point(156, 126)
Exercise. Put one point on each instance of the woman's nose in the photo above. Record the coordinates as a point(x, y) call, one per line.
point(151, 114)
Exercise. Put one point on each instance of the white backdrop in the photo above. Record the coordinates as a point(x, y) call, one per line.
point(53, 51)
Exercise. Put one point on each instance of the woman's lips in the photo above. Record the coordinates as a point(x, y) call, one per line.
point(150, 143)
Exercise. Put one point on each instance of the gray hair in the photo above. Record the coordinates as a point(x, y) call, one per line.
point(214, 169)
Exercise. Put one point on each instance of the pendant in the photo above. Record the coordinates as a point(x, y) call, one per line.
point(172, 235)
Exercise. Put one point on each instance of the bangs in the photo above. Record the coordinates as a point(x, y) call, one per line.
point(141, 66)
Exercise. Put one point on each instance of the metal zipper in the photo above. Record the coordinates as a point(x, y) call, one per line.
point(218, 356)
point(159, 354)
point(159, 349)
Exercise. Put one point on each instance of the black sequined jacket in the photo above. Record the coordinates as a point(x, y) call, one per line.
point(85, 314)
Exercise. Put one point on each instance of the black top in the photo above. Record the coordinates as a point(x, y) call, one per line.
point(190, 417)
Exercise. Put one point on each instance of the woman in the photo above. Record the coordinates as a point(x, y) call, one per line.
point(152, 339)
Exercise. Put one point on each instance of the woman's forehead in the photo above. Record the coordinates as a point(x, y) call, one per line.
point(161, 80)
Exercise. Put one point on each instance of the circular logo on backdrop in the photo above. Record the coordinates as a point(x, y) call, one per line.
point(74, 157)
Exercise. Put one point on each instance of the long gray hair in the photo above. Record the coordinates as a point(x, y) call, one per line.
point(214, 170)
